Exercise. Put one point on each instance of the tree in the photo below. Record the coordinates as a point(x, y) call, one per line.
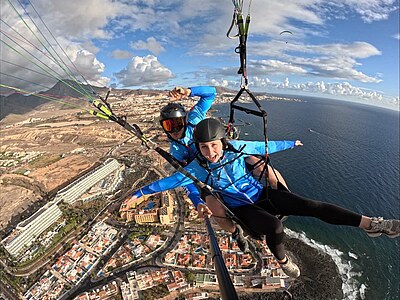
point(190, 277)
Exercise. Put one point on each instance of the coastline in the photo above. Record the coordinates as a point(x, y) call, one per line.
point(320, 277)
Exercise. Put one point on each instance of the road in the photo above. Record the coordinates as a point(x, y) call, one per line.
point(154, 258)
point(82, 287)
point(7, 291)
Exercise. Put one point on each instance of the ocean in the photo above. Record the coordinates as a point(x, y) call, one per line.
point(351, 158)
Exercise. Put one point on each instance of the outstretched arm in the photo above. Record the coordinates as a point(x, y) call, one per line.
point(164, 184)
point(276, 146)
point(256, 147)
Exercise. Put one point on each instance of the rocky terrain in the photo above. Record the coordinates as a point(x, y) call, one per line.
point(70, 142)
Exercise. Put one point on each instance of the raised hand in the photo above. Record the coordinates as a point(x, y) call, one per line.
point(178, 93)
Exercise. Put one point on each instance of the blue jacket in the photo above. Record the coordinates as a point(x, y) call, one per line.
point(229, 176)
point(184, 149)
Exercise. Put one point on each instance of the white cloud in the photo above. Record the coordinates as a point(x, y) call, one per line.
point(143, 71)
point(87, 64)
point(150, 16)
point(372, 10)
point(274, 67)
point(339, 89)
point(223, 82)
point(334, 88)
point(200, 30)
point(151, 45)
point(368, 10)
point(122, 54)
point(339, 61)
point(105, 19)
point(86, 19)
point(354, 50)
point(342, 61)
point(37, 60)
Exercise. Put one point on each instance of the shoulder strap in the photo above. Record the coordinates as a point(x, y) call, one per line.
point(203, 163)
point(230, 147)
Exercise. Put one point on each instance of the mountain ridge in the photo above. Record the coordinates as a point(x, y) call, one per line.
point(17, 103)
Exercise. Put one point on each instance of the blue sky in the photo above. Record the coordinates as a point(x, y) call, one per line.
point(339, 48)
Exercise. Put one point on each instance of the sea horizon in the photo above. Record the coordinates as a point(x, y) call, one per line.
point(350, 158)
point(392, 106)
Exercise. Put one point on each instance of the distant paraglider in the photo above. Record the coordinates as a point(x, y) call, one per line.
point(286, 32)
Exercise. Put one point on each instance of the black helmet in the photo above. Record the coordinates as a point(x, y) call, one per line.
point(208, 130)
point(172, 110)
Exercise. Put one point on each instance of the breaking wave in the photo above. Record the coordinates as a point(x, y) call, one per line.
point(352, 288)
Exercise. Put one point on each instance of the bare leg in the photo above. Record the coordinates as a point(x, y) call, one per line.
point(365, 222)
point(220, 215)
point(273, 175)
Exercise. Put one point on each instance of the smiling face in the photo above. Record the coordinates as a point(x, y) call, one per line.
point(212, 151)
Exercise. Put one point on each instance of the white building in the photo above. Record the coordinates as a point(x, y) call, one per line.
point(71, 193)
point(28, 230)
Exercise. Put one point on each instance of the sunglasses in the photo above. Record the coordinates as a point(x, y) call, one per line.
point(173, 125)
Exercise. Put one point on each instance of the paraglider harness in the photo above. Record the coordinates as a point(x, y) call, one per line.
point(231, 132)
point(242, 32)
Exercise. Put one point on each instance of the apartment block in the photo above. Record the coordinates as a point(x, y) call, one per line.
point(28, 230)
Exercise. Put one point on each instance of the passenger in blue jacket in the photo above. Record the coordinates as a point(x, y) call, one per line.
point(178, 124)
point(223, 167)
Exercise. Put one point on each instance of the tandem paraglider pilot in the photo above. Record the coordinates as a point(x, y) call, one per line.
point(223, 168)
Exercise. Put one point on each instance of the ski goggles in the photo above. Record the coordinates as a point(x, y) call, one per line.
point(174, 124)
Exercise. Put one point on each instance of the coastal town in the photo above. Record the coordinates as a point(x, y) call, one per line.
point(77, 246)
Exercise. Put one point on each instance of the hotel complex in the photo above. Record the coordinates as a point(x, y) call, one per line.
point(103, 180)
point(74, 192)
point(151, 209)
point(27, 231)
